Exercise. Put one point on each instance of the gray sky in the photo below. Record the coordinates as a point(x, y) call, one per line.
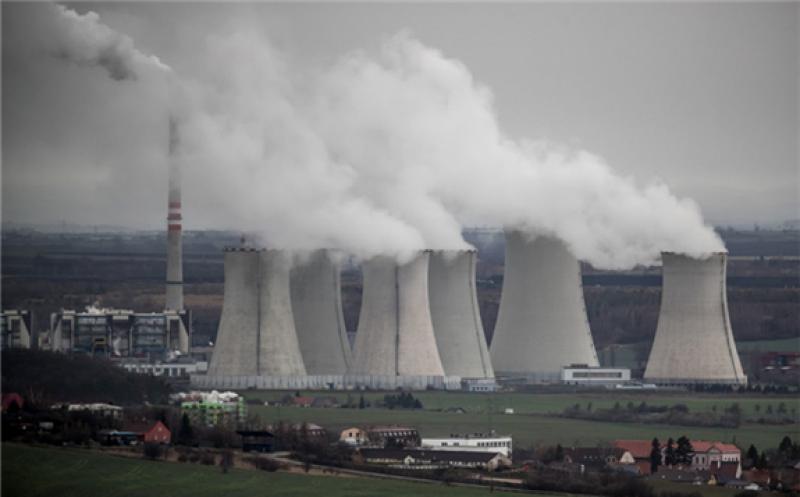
point(702, 96)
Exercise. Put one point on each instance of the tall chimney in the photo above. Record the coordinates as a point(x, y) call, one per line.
point(174, 300)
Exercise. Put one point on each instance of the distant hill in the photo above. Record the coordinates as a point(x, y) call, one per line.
point(48, 377)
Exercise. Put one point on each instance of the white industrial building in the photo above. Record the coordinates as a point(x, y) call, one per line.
point(16, 327)
point(174, 369)
point(541, 324)
point(580, 374)
point(120, 333)
point(694, 341)
point(477, 442)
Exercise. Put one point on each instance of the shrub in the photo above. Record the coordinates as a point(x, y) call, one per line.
point(208, 459)
point(153, 451)
point(264, 463)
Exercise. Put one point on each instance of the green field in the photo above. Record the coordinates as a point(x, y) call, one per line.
point(531, 424)
point(35, 472)
point(784, 345)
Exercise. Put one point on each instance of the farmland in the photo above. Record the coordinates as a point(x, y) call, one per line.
point(534, 420)
point(37, 472)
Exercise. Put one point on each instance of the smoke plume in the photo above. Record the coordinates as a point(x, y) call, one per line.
point(82, 39)
point(381, 153)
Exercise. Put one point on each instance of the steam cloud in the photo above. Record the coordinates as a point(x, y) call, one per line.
point(386, 153)
point(84, 40)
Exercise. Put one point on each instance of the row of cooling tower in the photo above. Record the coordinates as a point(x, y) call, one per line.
point(421, 318)
point(280, 319)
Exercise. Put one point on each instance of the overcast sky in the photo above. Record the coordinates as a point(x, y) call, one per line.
point(702, 96)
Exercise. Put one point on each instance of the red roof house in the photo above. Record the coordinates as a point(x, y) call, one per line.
point(158, 434)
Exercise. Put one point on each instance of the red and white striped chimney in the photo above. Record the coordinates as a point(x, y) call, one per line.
point(174, 300)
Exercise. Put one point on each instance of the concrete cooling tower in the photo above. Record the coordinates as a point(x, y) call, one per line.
point(256, 335)
point(237, 335)
point(541, 324)
point(694, 342)
point(455, 314)
point(395, 334)
point(318, 318)
point(278, 347)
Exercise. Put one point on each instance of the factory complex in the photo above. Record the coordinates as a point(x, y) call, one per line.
point(419, 327)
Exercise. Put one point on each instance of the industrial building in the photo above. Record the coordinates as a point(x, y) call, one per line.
point(179, 368)
point(541, 324)
point(455, 314)
point(694, 341)
point(395, 333)
point(580, 374)
point(256, 335)
point(16, 327)
point(318, 318)
point(117, 333)
point(477, 442)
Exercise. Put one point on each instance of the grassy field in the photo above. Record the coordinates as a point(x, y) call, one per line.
point(35, 472)
point(531, 424)
point(546, 403)
point(784, 345)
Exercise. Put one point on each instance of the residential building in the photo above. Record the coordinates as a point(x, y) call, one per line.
point(598, 458)
point(157, 434)
point(213, 408)
point(719, 458)
point(353, 436)
point(431, 459)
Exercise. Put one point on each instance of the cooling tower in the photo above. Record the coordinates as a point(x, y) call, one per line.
point(278, 347)
point(455, 314)
point(541, 324)
point(174, 290)
point(237, 335)
point(318, 318)
point(694, 342)
point(395, 333)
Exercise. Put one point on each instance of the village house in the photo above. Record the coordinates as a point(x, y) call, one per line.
point(431, 459)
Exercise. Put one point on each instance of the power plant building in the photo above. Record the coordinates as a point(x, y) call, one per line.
point(121, 333)
point(455, 314)
point(541, 324)
point(694, 341)
point(318, 318)
point(395, 333)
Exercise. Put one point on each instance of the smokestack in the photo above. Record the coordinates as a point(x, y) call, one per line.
point(456, 316)
point(318, 318)
point(395, 333)
point(174, 294)
point(694, 341)
point(541, 324)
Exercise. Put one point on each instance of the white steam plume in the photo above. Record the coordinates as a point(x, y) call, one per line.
point(84, 40)
point(384, 154)
point(399, 152)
